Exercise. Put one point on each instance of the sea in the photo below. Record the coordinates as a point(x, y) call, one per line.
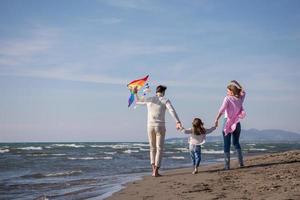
point(96, 170)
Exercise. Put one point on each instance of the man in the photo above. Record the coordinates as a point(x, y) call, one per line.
point(157, 106)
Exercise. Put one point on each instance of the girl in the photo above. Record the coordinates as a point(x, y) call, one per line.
point(196, 139)
point(233, 108)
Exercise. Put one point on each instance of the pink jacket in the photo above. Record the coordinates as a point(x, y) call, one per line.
point(234, 111)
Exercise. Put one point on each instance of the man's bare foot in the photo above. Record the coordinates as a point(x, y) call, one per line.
point(153, 169)
point(155, 173)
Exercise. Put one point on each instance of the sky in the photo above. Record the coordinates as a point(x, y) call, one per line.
point(64, 65)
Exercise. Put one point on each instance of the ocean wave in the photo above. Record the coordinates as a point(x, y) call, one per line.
point(141, 145)
point(37, 155)
point(177, 157)
point(182, 149)
point(68, 145)
point(4, 150)
point(168, 152)
point(98, 146)
point(142, 149)
point(254, 149)
point(30, 148)
point(219, 159)
point(119, 146)
point(91, 158)
point(129, 151)
point(110, 153)
point(45, 154)
point(57, 174)
point(211, 151)
point(107, 158)
point(58, 154)
point(70, 173)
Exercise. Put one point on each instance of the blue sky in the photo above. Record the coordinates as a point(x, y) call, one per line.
point(64, 65)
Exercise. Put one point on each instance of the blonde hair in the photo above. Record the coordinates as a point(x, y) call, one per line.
point(235, 90)
point(198, 128)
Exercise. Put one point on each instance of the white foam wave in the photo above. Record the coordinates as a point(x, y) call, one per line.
point(141, 145)
point(110, 153)
point(45, 154)
point(58, 154)
point(182, 149)
point(168, 152)
point(177, 157)
point(99, 146)
point(211, 151)
point(142, 149)
point(4, 150)
point(37, 155)
point(130, 151)
point(91, 158)
point(254, 149)
point(68, 145)
point(64, 173)
point(219, 159)
point(119, 146)
point(30, 148)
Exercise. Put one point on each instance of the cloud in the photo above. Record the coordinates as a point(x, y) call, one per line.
point(145, 5)
point(17, 51)
point(131, 49)
point(65, 73)
point(106, 21)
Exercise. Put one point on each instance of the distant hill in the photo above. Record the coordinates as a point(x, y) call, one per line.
point(254, 135)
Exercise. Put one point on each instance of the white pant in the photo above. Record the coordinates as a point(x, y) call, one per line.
point(156, 136)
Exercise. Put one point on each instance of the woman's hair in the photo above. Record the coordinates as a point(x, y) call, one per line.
point(235, 90)
point(198, 128)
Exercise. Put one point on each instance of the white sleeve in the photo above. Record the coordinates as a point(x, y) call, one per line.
point(142, 101)
point(207, 131)
point(186, 131)
point(172, 111)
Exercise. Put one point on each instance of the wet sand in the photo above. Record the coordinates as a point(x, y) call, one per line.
point(271, 176)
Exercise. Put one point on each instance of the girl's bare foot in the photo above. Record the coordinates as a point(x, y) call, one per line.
point(195, 171)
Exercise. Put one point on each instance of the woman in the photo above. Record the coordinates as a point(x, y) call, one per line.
point(232, 107)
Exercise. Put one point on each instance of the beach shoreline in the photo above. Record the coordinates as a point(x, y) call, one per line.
point(268, 176)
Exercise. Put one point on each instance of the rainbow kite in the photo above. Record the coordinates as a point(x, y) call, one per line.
point(139, 83)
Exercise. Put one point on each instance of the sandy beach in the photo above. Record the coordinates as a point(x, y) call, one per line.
point(272, 176)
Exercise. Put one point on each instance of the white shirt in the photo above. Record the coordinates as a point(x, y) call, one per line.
point(157, 106)
point(197, 139)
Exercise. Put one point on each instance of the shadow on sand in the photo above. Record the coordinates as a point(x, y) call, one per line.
point(241, 168)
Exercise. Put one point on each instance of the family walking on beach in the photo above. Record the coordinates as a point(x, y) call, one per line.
point(232, 108)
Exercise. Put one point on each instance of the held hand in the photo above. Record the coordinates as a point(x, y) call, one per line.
point(135, 90)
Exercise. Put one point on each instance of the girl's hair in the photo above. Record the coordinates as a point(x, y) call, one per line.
point(235, 90)
point(198, 128)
